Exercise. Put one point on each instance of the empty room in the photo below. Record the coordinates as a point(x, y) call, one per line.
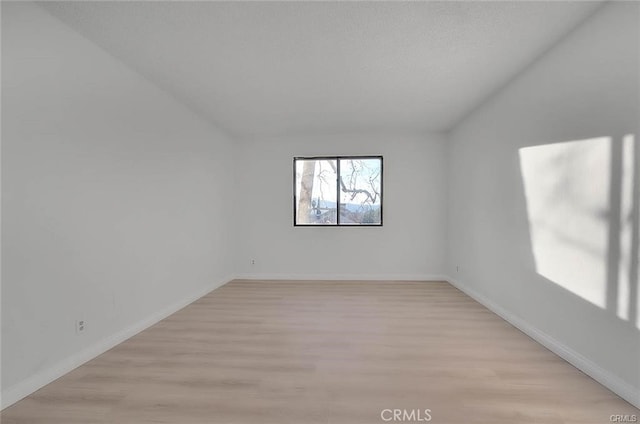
point(322, 212)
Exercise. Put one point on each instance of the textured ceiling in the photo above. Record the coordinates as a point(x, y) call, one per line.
point(267, 68)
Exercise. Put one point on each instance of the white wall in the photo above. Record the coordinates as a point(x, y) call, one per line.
point(545, 233)
point(116, 204)
point(408, 246)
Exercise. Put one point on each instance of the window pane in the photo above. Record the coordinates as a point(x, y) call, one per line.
point(360, 191)
point(316, 191)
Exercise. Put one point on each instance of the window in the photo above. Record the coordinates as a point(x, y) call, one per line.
point(337, 190)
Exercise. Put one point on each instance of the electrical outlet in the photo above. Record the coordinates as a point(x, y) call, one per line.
point(80, 326)
point(253, 261)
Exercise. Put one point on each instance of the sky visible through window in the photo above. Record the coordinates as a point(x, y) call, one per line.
point(358, 188)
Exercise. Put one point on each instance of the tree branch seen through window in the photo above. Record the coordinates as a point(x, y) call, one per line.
point(338, 191)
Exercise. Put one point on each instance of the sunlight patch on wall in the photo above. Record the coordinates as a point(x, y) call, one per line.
point(567, 195)
point(626, 227)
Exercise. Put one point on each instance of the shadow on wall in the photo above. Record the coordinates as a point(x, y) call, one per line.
point(582, 200)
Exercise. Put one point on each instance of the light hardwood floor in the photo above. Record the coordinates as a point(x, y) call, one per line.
point(325, 352)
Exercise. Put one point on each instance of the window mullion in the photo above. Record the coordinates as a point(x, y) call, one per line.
point(338, 191)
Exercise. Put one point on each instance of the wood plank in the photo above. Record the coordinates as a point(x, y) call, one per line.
point(324, 352)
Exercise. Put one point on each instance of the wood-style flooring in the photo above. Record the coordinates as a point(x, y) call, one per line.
point(277, 352)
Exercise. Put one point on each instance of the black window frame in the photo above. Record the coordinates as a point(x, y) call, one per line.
point(338, 190)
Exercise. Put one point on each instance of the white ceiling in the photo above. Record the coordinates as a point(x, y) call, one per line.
point(269, 68)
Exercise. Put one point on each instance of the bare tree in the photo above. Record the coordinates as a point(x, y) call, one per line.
point(306, 191)
point(359, 180)
point(352, 188)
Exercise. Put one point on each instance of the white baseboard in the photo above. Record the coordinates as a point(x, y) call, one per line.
point(24, 388)
point(620, 387)
point(346, 277)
